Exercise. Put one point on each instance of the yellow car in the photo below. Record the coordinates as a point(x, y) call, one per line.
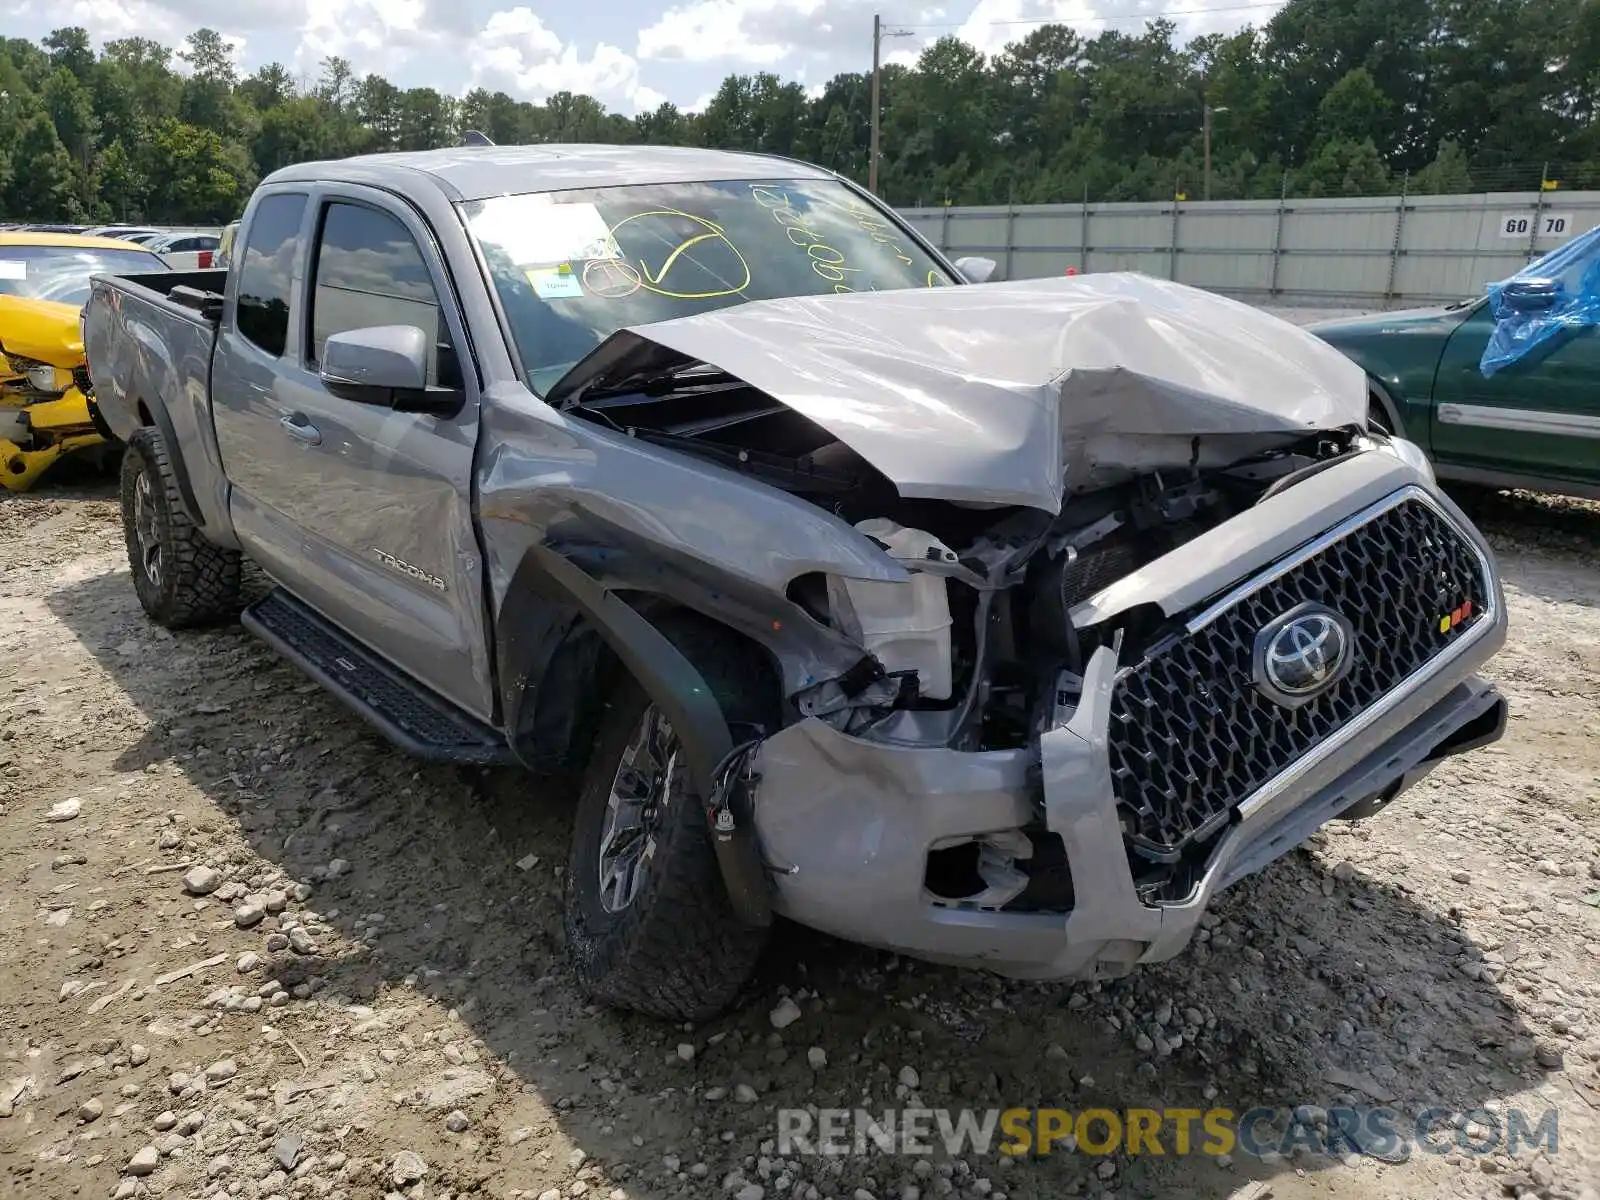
point(46, 404)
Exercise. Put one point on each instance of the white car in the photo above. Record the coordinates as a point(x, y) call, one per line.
point(187, 251)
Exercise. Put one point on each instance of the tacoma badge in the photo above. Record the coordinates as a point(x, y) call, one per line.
point(405, 568)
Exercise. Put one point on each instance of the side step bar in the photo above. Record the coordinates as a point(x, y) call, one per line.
point(415, 719)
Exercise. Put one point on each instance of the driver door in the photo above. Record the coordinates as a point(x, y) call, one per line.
point(363, 512)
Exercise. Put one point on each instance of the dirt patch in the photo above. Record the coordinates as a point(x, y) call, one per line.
point(254, 952)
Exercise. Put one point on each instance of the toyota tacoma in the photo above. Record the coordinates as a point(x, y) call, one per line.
point(1002, 624)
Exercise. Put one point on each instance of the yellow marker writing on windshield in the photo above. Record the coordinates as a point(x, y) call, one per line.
point(652, 281)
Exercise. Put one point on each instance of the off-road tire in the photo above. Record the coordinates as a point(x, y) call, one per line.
point(198, 581)
point(677, 951)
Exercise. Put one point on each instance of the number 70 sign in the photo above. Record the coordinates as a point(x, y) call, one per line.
point(1551, 224)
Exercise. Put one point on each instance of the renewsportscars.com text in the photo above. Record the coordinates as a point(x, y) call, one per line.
point(1379, 1132)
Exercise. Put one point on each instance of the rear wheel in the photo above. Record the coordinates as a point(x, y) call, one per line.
point(648, 920)
point(181, 578)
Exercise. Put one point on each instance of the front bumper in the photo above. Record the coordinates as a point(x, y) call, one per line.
point(846, 825)
point(37, 430)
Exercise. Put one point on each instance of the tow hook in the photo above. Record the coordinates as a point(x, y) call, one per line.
point(733, 839)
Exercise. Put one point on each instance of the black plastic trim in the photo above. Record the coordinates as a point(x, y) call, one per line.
point(474, 743)
point(180, 473)
point(669, 679)
point(661, 669)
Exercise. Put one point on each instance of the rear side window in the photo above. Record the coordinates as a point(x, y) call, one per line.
point(266, 270)
point(370, 272)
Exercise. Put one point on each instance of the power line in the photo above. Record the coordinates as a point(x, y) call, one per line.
point(1126, 16)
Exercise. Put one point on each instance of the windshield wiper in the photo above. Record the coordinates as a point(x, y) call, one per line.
point(659, 385)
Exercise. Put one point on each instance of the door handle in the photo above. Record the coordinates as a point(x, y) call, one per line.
point(302, 430)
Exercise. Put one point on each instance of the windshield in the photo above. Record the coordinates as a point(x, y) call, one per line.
point(573, 267)
point(61, 273)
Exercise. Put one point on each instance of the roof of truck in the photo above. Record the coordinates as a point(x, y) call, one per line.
point(476, 172)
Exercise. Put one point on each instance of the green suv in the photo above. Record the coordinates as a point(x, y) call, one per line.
point(1503, 390)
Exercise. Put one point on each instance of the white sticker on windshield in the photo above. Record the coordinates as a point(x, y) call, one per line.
point(11, 268)
point(556, 283)
point(538, 234)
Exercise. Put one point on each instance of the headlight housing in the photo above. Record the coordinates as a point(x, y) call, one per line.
point(41, 377)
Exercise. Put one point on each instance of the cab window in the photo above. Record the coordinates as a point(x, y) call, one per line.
point(369, 272)
point(266, 271)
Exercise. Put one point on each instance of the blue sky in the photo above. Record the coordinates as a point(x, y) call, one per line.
point(631, 54)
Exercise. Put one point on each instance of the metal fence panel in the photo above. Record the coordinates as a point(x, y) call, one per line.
point(1375, 252)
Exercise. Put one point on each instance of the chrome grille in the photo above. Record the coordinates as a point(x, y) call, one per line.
point(1191, 736)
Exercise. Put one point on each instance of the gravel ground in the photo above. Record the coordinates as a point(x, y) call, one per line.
point(253, 952)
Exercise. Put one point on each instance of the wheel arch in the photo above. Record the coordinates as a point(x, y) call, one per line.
point(1379, 397)
point(155, 414)
point(562, 638)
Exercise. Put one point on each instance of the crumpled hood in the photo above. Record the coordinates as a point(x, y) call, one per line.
point(1016, 393)
point(41, 329)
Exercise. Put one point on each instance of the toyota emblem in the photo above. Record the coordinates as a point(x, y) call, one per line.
point(1302, 654)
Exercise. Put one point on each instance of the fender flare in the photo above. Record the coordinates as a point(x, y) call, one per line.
point(531, 639)
point(162, 420)
point(669, 678)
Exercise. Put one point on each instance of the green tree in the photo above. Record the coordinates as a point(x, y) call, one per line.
point(1352, 109)
point(195, 174)
point(1448, 174)
point(45, 188)
point(209, 89)
point(71, 50)
point(294, 131)
point(1344, 167)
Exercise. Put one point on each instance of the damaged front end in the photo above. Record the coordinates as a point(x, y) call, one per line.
point(1120, 601)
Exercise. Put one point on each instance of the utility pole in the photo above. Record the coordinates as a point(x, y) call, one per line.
point(878, 34)
point(872, 162)
point(1209, 112)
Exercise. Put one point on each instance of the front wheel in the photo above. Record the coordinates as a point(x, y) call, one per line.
point(648, 920)
point(181, 578)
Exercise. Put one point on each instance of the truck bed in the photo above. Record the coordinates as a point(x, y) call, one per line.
point(193, 295)
point(148, 339)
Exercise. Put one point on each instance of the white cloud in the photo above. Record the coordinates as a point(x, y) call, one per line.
point(169, 22)
point(516, 52)
point(374, 35)
point(647, 99)
point(762, 33)
point(992, 24)
point(719, 29)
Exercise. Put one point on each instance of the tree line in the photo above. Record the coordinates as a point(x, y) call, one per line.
point(1328, 98)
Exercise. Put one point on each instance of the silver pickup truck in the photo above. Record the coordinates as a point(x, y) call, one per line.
point(1002, 624)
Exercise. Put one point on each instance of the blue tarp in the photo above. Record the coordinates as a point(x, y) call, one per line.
point(1569, 277)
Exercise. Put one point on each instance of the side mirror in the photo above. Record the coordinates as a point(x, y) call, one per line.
point(385, 364)
point(380, 358)
point(976, 270)
point(1531, 295)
